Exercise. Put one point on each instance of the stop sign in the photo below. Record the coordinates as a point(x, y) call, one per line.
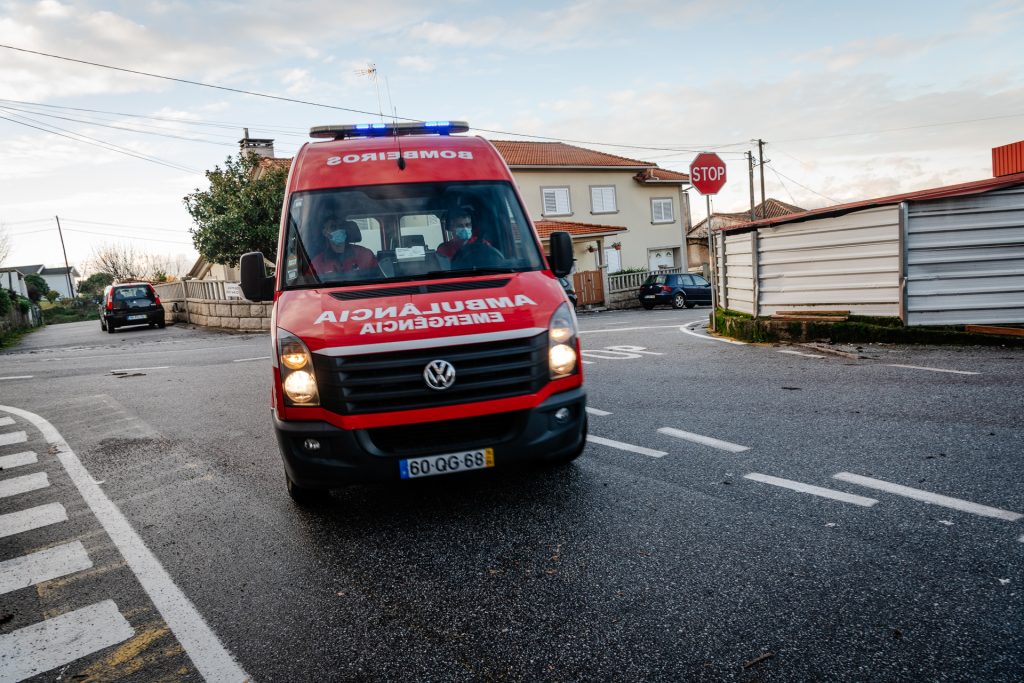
point(707, 173)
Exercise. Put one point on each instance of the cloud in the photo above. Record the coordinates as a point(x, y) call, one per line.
point(52, 8)
point(417, 64)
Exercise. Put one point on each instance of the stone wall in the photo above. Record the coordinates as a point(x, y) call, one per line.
point(227, 315)
point(622, 300)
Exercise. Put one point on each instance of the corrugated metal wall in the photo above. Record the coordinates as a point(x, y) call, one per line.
point(965, 259)
point(739, 270)
point(848, 262)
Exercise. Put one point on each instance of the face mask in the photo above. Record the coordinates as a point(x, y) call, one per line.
point(463, 233)
point(338, 237)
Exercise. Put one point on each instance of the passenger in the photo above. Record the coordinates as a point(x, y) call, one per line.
point(341, 256)
point(460, 223)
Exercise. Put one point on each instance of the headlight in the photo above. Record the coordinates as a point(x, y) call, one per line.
point(562, 342)
point(296, 366)
point(300, 386)
point(562, 359)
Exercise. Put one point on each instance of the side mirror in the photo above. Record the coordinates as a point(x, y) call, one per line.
point(256, 286)
point(561, 253)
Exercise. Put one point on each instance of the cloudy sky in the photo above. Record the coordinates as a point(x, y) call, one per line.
point(854, 100)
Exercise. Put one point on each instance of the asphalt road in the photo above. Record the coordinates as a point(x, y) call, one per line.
point(687, 543)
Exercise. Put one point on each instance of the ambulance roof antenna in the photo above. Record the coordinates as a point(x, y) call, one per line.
point(394, 120)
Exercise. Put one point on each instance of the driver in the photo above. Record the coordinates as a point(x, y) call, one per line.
point(341, 255)
point(460, 223)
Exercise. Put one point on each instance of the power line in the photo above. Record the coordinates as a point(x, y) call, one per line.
point(96, 143)
point(121, 225)
point(784, 186)
point(252, 93)
point(128, 237)
point(831, 199)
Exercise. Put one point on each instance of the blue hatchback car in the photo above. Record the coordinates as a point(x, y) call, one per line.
point(678, 290)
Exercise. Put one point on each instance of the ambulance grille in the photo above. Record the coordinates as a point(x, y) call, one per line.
point(449, 435)
point(388, 382)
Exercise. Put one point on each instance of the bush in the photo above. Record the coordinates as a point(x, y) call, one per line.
point(24, 305)
point(5, 302)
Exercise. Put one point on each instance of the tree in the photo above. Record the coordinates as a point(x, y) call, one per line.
point(52, 295)
point(92, 286)
point(240, 212)
point(5, 245)
point(37, 287)
point(120, 262)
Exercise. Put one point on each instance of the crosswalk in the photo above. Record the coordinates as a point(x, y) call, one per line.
point(59, 640)
point(91, 627)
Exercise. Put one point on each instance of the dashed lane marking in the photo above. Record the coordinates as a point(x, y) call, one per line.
point(245, 360)
point(688, 329)
point(13, 437)
point(61, 640)
point(201, 644)
point(32, 518)
point(599, 413)
point(23, 484)
point(6, 421)
point(921, 367)
point(798, 353)
point(17, 460)
point(813, 490)
point(43, 565)
point(625, 446)
point(705, 440)
point(928, 497)
point(17, 377)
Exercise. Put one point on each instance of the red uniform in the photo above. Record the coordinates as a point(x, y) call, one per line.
point(450, 248)
point(354, 258)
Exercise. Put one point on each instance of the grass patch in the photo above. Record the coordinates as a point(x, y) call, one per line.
point(12, 337)
point(60, 314)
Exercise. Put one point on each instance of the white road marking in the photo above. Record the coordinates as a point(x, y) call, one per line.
point(205, 650)
point(5, 421)
point(798, 353)
point(1020, 540)
point(32, 518)
point(23, 484)
point(625, 446)
point(634, 349)
point(13, 437)
point(599, 413)
point(813, 490)
point(17, 459)
point(61, 640)
point(928, 497)
point(920, 367)
point(587, 362)
point(156, 367)
point(244, 360)
point(630, 329)
point(18, 377)
point(705, 440)
point(52, 563)
point(686, 329)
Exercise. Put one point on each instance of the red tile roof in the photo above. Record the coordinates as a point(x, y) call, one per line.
point(769, 208)
point(959, 190)
point(545, 228)
point(518, 153)
point(661, 176)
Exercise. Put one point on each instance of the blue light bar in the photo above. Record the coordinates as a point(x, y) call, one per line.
point(365, 130)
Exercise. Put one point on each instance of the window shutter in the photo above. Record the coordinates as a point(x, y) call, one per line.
point(661, 211)
point(556, 201)
point(602, 199)
point(550, 202)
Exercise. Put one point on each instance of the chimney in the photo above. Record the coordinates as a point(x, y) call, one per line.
point(261, 147)
point(1008, 159)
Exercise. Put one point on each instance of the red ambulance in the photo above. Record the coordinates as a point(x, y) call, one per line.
point(418, 327)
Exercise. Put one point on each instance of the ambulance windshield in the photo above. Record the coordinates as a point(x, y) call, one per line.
point(406, 232)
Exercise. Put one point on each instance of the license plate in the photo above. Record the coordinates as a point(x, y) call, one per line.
point(449, 463)
point(137, 317)
point(648, 296)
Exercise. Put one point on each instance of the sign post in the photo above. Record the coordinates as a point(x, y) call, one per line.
point(707, 175)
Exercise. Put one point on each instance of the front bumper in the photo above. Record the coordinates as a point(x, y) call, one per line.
point(350, 456)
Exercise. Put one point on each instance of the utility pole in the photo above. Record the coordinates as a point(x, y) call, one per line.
point(750, 172)
point(760, 154)
point(67, 268)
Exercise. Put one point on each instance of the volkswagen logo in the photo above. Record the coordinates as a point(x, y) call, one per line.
point(439, 374)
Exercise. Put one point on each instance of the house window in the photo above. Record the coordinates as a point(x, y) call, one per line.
point(556, 201)
point(661, 211)
point(602, 199)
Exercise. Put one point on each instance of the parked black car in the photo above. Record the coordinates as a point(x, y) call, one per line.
point(679, 290)
point(131, 303)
